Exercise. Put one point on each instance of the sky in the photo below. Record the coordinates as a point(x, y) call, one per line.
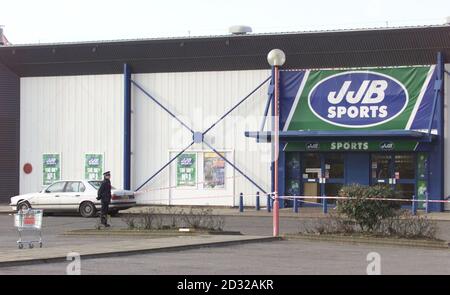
point(48, 21)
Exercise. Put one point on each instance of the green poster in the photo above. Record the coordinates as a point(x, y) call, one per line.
point(422, 175)
point(186, 169)
point(51, 168)
point(93, 166)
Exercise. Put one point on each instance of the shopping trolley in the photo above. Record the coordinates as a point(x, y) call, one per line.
point(29, 221)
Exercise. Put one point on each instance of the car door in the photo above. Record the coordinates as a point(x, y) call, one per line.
point(50, 198)
point(70, 199)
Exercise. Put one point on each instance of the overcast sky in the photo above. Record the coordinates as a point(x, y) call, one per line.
point(45, 21)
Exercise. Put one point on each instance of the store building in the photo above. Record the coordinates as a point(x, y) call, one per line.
point(357, 106)
point(364, 126)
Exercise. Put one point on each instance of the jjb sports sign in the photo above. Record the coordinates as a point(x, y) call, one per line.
point(358, 99)
point(377, 98)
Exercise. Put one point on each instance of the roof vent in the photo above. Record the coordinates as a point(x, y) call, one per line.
point(240, 30)
point(447, 20)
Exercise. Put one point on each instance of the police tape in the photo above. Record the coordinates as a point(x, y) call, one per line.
point(173, 198)
point(272, 196)
point(370, 199)
point(176, 186)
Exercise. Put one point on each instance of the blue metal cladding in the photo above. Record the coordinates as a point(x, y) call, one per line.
point(357, 168)
point(281, 173)
point(127, 128)
point(289, 85)
point(436, 159)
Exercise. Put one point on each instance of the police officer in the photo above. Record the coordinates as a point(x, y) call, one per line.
point(104, 194)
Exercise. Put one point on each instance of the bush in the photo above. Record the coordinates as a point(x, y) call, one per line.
point(402, 225)
point(130, 221)
point(360, 211)
point(361, 207)
point(332, 224)
point(406, 225)
point(173, 219)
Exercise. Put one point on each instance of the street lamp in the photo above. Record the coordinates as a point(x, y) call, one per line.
point(276, 59)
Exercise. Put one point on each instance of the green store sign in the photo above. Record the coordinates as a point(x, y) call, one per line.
point(93, 166)
point(186, 169)
point(367, 99)
point(51, 168)
point(351, 146)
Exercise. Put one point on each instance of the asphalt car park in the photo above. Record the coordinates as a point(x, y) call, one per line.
point(283, 257)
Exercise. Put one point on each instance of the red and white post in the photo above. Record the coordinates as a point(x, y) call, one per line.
point(276, 59)
point(276, 202)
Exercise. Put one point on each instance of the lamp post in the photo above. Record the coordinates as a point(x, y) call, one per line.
point(276, 59)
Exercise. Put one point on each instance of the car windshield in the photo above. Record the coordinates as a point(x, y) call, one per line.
point(97, 183)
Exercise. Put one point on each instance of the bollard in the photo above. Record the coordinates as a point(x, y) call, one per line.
point(325, 206)
point(295, 205)
point(414, 206)
point(241, 202)
point(258, 207)
point(268, 203)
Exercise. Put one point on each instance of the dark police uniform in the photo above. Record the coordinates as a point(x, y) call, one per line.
point(104, 194)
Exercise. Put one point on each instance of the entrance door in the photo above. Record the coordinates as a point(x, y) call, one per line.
point(334, 175)
point(397, 170)
point(311, 168)
point(322, 175)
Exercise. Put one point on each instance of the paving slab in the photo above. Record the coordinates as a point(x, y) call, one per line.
point(307, 212)
point(120, 248)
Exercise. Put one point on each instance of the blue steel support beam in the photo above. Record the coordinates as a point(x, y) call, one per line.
point(266, 111)
point(235, 167)
point(436, 157)
point(236, 105)
point(127, 128)
point(162, 106)
point(162, 168)
point(437, 90)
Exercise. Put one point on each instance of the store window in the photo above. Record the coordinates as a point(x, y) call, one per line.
point(334, 165)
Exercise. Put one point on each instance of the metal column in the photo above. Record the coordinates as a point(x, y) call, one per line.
point(127, 128)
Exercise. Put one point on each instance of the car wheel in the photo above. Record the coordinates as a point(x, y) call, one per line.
point(87, 209)
point(23, 206)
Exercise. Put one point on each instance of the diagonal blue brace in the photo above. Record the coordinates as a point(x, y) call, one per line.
point(236, 105)
point(198, 137)
point(266, 111)
point(162, 168)
point(235, 167)
point(163, 107)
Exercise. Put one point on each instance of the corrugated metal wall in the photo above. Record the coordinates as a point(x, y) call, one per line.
point(76, 114)
point(70, 115)
point(9, 134)
point(199, 98)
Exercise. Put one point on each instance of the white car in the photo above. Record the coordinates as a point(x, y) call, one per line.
point(73, 196)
